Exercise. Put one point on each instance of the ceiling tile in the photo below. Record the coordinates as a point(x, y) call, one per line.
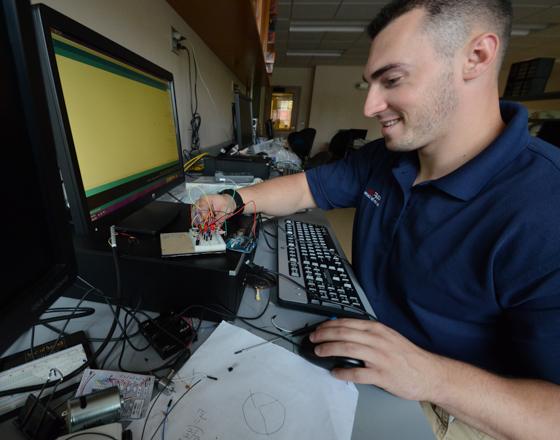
point(549, 15)
point(335, 45)
point(356, 51)
point(314, 11)
point(341, 36)
point(552, 31)
point(303, 45)
point(308, 36)
point(535, 2)
point(282, 35)
point(282, 24)
point(357, 11)
point(314, 2)
point(284, 10)
point(525, 11)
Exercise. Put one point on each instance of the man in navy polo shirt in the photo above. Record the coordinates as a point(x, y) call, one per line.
point(457, 231)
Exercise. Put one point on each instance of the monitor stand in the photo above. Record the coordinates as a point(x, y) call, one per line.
point(151, 219)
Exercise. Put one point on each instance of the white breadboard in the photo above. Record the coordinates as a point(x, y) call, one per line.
point(37, 372)
point(215, 243)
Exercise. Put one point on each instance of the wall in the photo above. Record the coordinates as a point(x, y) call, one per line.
point(144, 27)
point(295, 77)
point(337, 104)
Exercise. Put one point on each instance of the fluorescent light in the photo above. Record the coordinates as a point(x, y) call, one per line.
point(350, 29)
point(522, 30)
point(328, 26)
point(306, 53)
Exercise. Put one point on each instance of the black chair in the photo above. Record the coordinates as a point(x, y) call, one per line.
point(269, 127)
point(339, 147)
point(550, 132)
point(301, 142)
point(359, 133)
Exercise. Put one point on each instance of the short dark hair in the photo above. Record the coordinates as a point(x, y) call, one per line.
point(452, 20)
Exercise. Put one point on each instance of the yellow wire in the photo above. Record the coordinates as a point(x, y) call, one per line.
point(193, 160)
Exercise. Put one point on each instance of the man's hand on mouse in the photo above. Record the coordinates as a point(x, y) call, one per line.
point(392, 362)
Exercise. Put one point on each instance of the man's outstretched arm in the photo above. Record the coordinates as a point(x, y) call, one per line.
point(278, 196)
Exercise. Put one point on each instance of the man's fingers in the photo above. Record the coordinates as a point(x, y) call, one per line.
point(357, 375)
point(341, 334)
point(358, 324)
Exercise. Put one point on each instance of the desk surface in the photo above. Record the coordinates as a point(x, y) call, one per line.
point(379, 415)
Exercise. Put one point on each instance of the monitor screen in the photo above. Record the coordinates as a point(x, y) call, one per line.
point(243, 121)
point(118, 137)
point(38, 258)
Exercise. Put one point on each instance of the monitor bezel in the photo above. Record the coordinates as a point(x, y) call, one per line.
point(46, 19)
point(27, 306)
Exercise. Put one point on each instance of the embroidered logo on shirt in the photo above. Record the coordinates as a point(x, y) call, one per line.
point(373, 196)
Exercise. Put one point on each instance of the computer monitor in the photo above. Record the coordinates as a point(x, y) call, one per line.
point(243, 121)
point(115, 125)
point(38, 260)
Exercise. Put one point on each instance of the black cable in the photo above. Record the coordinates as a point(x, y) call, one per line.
point(54, 329)
point(149, 412)
point(173, 407)
point(81, 434)
point(84, 311)
point(124, 336)
point(176, 198)
point(262, 227)
point(32, 344)
point(164, 366)
point(196, 119)
point(94, 356)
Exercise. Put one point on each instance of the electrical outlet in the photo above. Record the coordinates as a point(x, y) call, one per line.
point(176, 38)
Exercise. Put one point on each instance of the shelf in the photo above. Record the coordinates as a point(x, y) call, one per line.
point(229, 29)
point(539, 97)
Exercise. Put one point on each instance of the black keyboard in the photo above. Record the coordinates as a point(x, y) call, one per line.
point(308, 255)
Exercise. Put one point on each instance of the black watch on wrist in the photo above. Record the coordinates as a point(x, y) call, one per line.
point(236, 197)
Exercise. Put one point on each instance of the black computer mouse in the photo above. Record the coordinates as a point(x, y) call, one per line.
point(306, 351)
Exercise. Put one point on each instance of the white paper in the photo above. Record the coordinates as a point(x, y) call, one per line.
point(266, 391)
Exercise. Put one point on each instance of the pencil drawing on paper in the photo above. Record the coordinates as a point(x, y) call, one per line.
point(263, 413)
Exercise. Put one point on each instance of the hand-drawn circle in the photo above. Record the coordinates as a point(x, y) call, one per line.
point(263, 413)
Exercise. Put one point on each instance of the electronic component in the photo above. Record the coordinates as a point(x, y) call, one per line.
point(37, 421)
point(209, 241)
point(20, 370)
point(168, 334)
point(98, 408)
point(237, 177)
point(241, 243)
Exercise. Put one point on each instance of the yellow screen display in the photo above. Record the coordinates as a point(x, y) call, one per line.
point(121, 118)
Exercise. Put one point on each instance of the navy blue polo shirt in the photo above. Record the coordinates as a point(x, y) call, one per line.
point(467, 265)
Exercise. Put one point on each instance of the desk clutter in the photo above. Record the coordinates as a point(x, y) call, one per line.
point(235, 386)
point(266, 391)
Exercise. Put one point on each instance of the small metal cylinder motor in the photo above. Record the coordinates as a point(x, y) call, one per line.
point(98, 408)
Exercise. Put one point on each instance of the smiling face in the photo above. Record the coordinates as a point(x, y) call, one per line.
point(412, 92)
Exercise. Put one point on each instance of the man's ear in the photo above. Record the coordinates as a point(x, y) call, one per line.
point(481, 53)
